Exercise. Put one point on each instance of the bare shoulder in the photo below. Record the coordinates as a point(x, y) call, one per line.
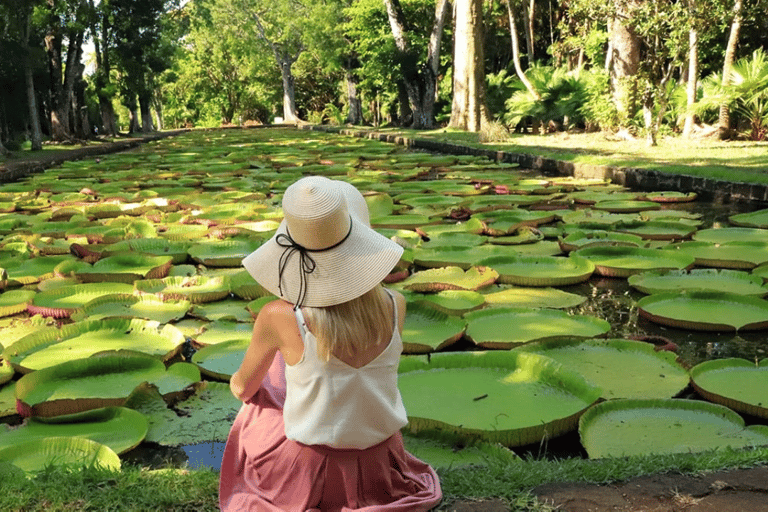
point(276, 312)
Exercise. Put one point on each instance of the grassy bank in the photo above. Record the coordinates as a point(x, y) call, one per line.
point(135, 489)
point(739, 161)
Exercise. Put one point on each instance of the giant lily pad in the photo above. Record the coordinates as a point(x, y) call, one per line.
point(82, 384)
point(520, 297)
point(203, 416)
point(36, 455)
point(148, 307)
point(15, 301)
point(509, 327)
point(443, 450)
point(707, 311)
point(196, 289)
point(541, 270)
point(449, 278)
point(623, 428)
point(738, 384)
point(221, 331)
point(125, 267)
point(598, 238)
point(427, 329)
point(117, 427)
point(36, 269)
point(757, 219)
point(155, 246)
point(622, 368)
point(452, 302)
point(723, 235)
point(625, 206)
point(505, 397)
point(625, 261)
point(737, 255)
point(82, 339)
point(62, 302)
point(223, 253)
point(657, 229)
point(705, 279)
point(221, 360)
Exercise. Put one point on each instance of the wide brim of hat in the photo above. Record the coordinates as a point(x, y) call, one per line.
point(341, 274)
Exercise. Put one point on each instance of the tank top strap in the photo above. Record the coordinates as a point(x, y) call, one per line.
point(306, 336)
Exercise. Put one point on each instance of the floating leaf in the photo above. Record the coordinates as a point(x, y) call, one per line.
point(598, 238)
point(196, 289)
point(221, 360)
point(704, 279)
point(62, 302)
point(625, 261)
point(624, 428)
point(622, 368)
point(15, 301)
point(443, 450)
point(756, 219)
point(540, 270)
point(427, 329)
point(509, 327)
point(37, 455)
point(449, 278)
point(124, 305)
point(506, 397)
point(451, 302)
point(723, 235)
point(736, 255)
point(519, 297)
point(125, 267)
point(706, 311)
point(738, 384)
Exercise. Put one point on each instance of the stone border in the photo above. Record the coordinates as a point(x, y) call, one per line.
point(631, 177)
point(12, 171)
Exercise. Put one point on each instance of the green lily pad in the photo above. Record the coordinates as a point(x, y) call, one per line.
point(449, 278)
point(625, 206)
point(509, 327)
point(119, 428)
point(506, 222)
point(125, 305)
point(443, 450)
point(15, 301)
point(404, 221)
point(15, 328)
point(541, 270)
point(738, 384)
point(7, 399)
point(624, 428)
point(427, 329)
point(506, 397)
point(245, 286)
point(704, 279)
point(520, 236)
point(36, 455)
point(657, 229)
point(520, 297)
point(83, 384)
point(222, 330)
point(155, 246)
point(223, 310)
point(723, 235)
point(598, 238)
point(223, 253)
point(62, 302)
point(203, 416)
point(83, 339)
point(37, 269)
point(736, 255)
point(671, 196)
point(125, 267)
point(183, 232)
point(6, 371)
point(196, 289)
point(757, 219)
point(626, 261)
point(706, 311)
point(221, 360)
point(761, 271)
point(451, 302)
point(622, 368)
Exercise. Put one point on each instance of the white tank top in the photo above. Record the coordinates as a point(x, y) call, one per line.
point(334, 404)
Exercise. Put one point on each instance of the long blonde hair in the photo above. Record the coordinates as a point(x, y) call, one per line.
point(352, 326)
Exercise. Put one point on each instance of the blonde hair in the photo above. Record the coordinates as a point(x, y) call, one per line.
point(353, 326)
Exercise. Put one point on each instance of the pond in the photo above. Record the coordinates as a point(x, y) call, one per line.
point(194, 188)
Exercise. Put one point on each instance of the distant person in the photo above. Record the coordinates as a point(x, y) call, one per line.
point(322, 431)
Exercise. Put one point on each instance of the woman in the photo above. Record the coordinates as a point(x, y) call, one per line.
point(336, 445)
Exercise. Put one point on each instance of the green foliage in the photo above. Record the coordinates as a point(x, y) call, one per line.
point(598, 110)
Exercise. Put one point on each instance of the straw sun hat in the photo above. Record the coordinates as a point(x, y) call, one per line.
point(321, 254)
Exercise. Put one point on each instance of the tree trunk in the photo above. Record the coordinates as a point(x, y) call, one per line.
point(145, 107)
point(289, 90)
point(82, 123)
point(625, 62)
point(34, 117)
point(73, 66)
point(693, 74)
point(528, 17)
point(724, 118)
point(516, 52)
point(355, 114)
point(420, 83)
point(59, 124)
point(468, 66)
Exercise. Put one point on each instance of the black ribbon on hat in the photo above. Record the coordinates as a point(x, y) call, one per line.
point(307, 265)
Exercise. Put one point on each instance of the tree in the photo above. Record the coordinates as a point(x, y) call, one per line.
point(467, 110)
point(102, 34)
point(693, 68)
point(419, 79)
point(624, 56)
point(724, 118)
point(516, 50)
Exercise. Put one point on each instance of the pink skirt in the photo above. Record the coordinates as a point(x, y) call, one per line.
point(264, 471)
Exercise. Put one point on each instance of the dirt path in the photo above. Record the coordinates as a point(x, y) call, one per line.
point(739, 490)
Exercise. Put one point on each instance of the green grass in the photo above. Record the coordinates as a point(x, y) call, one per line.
point(136, 489)
point(739, 161)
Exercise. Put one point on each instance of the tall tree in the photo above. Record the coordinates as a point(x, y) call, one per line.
point(34, 117)
point(467, 110)
point(419, 80)
point(516, 50)
point(102, 34)
point(625, 57)
point(724, 118)
point(693, 67)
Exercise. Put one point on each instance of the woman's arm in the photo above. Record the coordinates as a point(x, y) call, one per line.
point(273, 322)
